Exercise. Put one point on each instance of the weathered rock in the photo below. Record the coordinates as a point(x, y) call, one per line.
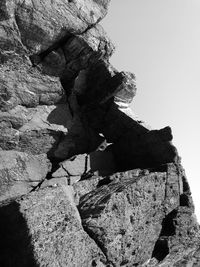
point(179, 237)
point(28, 88)
point(34, 130)
point(81, 52)
point(49, 231)
point(54, 182)
point(59, 95)
point(128, 218)
point(98, 162)
point(23, 34)
point(186, 257)
point(75, 166)
point(91, 183)
point(54, 117)
point(125, 218)
point(93, 43)
point(21, 84)
point(20, 173)
point(178, 244)
point(50, 21)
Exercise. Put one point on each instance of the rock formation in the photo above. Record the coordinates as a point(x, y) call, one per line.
point(83, 181)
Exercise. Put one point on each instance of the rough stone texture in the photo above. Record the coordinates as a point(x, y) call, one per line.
point(51, 228)
point(41, 23)
point(20, 173)
point(39, 28)
point(63, 42)
point(61, 99)
point(34, 130)
point(136, 218)
point(84, 186)
point(81, 52)
point(98, 162)
point(125, 218)
point(75, 166)
point(23, 85)
point(139, 217)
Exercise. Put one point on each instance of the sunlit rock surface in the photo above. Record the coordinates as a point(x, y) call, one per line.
point(20, 173)
point(50, 226)
point(83, 181)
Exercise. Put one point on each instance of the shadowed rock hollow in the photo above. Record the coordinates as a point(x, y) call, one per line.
point(83, 181)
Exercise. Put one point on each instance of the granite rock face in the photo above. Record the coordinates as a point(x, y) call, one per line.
point(55, 235)
point(83, 181)
point(119, 217)
point(135, 217)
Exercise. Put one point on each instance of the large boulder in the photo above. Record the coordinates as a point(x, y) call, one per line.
point(131, 216)
point(41, 23)
point(44, 229)
point(139, 217)
point(124, 223)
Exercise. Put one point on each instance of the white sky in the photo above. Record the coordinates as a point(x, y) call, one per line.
point(159, 40)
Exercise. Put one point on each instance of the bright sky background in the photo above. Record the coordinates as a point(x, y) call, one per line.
point(159, 40)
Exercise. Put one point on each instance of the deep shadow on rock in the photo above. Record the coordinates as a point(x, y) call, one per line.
point(96, 94)
point(102, 162)
point(61, 115)
point(98, 98)
point(97, 109)
point(15, 242)
point(84, 166)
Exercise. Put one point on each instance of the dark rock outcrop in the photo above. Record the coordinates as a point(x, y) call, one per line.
point(83, 181)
